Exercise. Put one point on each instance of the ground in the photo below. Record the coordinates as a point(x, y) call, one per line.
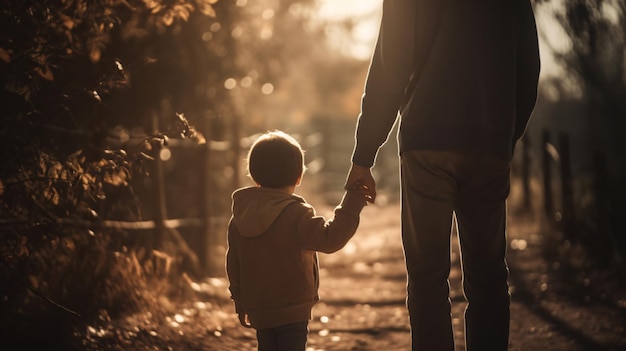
point(555, 306)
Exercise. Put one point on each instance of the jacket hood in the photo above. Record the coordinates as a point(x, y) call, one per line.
point(256, 208)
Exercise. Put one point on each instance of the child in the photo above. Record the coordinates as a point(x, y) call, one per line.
point(273, 239)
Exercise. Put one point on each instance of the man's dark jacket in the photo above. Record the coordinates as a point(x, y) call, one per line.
point(462, 74)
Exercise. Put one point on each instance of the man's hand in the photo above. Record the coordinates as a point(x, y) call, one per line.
point(243, 319)
point(362, 176)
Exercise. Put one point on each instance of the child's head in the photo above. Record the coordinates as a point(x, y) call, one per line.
point(276, 160)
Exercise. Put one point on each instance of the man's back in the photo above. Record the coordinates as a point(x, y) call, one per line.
point(463, 73)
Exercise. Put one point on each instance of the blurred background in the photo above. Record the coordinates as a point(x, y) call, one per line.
point(125, 125)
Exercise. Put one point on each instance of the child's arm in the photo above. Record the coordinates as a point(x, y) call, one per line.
point(318, 234)
point(232, 270)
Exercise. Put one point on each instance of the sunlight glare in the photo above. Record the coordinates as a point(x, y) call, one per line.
point(267, 14)
point(365, 17)
point(237, 32)
point(230, 83)
point(267, 31)
point(246, 82)
point(334, 9)
point(519, 244)
point(361, 267)
point(165, 154)
point(610, 11)
point(350, 248)
point(267, 88)
point(553, 39)
point(200, 305)
point(215, 27)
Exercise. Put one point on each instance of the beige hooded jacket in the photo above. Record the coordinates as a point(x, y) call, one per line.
point(273, 239)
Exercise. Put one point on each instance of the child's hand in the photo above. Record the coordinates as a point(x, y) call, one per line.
point(243, 319)
point(362, 189)
point(362, 176)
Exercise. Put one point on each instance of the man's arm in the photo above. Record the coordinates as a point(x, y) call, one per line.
point(390, 69)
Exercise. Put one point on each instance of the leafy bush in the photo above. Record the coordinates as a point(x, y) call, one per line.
point(63, 174)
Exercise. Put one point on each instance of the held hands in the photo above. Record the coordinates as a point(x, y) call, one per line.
point(361, 178)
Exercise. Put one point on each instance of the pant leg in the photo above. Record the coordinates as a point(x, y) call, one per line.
point(289, 337)
point(267, 340)
point(293, 337)
point(481, 217)
point(428, 195)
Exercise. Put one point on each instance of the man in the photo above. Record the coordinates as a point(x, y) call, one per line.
point(463, 77)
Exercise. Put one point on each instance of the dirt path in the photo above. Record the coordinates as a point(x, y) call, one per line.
point(363, 291)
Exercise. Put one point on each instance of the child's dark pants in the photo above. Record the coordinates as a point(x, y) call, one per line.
point(290, 337)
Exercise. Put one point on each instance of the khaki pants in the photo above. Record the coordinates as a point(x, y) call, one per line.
point(436, 184)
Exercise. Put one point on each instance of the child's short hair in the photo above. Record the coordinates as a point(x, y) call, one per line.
point(276, 160)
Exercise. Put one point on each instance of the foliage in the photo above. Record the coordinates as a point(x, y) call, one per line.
point(597, 61)
point(597, 33)
point(63, 71)
point(88, 86)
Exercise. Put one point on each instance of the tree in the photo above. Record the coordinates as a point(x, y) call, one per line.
point(77, 75)
point(597, 60)
point(82, 83)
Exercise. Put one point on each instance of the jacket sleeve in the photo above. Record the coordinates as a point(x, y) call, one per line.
point(317, 234)
point(232, 267)
point(528, 67)
point(389, 72)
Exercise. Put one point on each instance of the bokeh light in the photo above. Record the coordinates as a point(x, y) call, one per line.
point(230, 83)
point(267, 88)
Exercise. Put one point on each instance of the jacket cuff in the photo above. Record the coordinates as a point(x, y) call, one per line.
point(364, 156)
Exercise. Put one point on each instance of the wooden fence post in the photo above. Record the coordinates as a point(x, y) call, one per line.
point(547, 175)
point(236, 150)
point(567, 187)
point(526, 200)
point(158, 184)
point(606, 240)
point(205, 240)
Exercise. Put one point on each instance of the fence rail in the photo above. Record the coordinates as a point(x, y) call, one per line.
point(128, 225)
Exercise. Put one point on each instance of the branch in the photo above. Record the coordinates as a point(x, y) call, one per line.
point(50, 301)
point(40, 294)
